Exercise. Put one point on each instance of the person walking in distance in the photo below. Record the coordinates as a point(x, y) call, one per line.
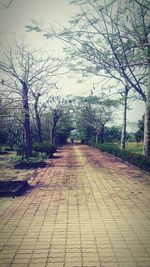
point(72, 141)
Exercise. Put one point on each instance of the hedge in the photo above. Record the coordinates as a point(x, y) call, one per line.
point(138, 160)
point(35, 161)
point(44, 147)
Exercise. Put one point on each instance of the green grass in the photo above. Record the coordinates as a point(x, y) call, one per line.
point(133, 157)
point(7, 171)
point(135, 147)
point(132, 147)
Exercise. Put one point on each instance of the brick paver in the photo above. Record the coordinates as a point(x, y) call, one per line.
point(86, 209)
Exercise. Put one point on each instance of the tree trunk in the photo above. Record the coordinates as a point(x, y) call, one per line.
point(124, 132)
point(38, 119)
point(11, 139)
point(26, 123)
point(97, 136)
point(53, 135)
point(55, 118)
point(147, 120)
point(102, 134)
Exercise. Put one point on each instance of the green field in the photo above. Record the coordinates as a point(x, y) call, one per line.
point(135, 147)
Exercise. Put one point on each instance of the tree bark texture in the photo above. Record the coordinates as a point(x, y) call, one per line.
point(147, 120)
point(53, 135)
point(55, 118)
point(26, 123)
point(97, 136)
point(38, 120)
point(102, 134)
point(124, 132)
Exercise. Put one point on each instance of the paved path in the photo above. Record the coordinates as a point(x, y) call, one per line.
point(86, 209)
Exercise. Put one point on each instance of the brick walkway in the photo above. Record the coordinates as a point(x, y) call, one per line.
point(86, 209)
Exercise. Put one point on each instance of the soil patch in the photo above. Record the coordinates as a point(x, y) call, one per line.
point(8, 172)
point(30, 165)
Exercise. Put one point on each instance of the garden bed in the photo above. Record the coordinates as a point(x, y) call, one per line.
point(9, 173)
point(32, 165)
point(13, 188)
point(3, 153)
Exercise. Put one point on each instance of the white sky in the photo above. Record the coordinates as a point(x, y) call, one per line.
point(12, 26)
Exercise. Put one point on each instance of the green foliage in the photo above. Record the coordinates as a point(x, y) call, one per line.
point(44, 147)
point(36, 160)
point(135, 147)
point(138, 160)
point(4, 149)
point(86, 134)
point(62, 136)
point(21, 161)
point(112, 134)
point(3, 136)
point(94, 112)
point(64, 128)
point(139, 135)
point(130, 137)
point(75, 134)
point(21, 150)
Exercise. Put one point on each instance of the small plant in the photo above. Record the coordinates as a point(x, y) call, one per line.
point(135, 147)
point(31, 162)
point(21, 150)
point(4, 149)
point(45, 147)
point(138, 160)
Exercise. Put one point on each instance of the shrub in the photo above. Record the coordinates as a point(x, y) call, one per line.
point(21, 150)
point(138, 160)
point(31, 162)
point(4, 149)
point(45, 147)
point(135, 147)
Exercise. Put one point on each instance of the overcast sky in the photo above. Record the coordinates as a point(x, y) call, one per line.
point(19, 14)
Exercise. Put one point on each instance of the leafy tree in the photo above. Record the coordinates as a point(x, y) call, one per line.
point(112, 134)
point(130, 136)
point(58, 107)
point(96, 112)
point(86, 132)
point(64, 128)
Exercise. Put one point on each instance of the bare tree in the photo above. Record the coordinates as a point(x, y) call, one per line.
point(97, 111)
point(109, 38)
point(39, 91)
point(24, 69)
point(10, 2)
point(56, 105)
point(6, 4)
point(37, 116)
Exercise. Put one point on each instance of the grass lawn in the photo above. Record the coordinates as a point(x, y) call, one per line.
point(135, 147)
point(7, 171)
